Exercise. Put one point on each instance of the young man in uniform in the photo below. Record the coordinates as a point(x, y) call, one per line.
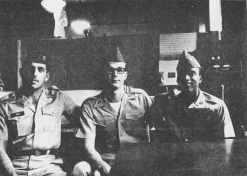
point(116, 117)
point(30, 123)
point(193, 114)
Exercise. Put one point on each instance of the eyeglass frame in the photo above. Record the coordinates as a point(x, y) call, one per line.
point(119, 70)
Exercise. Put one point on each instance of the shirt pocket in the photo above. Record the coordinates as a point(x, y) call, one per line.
point(106, 126)
point(134, 114)
point(106, 134)
point(20, 125)
point(134, 123)
point(50, 120)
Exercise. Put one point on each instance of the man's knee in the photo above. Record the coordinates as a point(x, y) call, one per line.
point(82, 168)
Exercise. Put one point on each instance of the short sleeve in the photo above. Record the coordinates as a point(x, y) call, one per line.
point(87, 127)
point(225, 116)
point(148, 99)
point(3, 127)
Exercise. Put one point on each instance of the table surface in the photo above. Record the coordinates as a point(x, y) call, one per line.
point(223, 158)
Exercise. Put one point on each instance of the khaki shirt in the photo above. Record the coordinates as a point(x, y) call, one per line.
point(205, 119)
point(112, 128)
point(27, 127)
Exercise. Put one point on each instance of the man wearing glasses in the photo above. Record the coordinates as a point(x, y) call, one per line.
point(116, 117)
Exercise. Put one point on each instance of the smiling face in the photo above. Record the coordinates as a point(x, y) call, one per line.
point(189, 79)
point(36, 75)
point(116, 74)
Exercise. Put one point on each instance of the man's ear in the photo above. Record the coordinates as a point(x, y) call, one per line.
point(126, 75)
point(47, 77)
point(200, 79)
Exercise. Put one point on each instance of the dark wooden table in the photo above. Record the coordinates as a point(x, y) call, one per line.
point(221, 158)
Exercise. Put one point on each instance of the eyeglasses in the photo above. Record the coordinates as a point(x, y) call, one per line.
point(119, 70)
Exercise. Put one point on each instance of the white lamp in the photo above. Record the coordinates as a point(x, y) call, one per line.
point(53, 6)
point(56, 7)
point(80, 27)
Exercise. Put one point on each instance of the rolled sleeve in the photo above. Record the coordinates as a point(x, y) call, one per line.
point(87, 127)
point(148, 101)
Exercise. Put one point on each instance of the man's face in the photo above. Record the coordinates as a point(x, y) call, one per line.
point(116, 74)
point(189, 79)
point(37, 75)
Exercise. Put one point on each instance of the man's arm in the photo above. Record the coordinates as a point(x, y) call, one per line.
point(87, 132)
point(228, 127)
point(5, 162)
point(94, 157)
point(6, 165)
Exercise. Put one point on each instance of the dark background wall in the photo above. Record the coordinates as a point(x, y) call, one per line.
point(26, 19)
point(78, 64)
point(18, 20)
point(233, 19)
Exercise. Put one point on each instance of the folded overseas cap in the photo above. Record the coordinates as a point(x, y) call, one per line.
point(38, 57)
point(114, 53)
point(186, 60)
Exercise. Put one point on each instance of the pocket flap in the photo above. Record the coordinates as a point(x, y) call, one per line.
point(134, 115)
point(49, 111)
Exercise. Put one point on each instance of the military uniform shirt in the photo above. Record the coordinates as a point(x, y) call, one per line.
point(115, 128)
point(206, 119)
point(27, 127)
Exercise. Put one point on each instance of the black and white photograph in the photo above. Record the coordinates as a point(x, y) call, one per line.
point(123, 87)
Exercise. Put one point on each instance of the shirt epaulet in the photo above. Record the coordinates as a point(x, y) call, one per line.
point(95, 101)
point(211, 98)
point(132, 90)
point(8, 98)
point(52, 91)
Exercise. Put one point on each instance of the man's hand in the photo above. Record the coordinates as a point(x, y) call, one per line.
point(82, 169)
point(104, 169)
point(6, 164)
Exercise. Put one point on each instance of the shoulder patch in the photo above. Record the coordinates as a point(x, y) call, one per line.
point(52, 90)
point(7, 98)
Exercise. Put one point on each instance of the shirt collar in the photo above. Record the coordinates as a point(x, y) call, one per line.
point(43, 99)
point(102, 100)
point(199, 101)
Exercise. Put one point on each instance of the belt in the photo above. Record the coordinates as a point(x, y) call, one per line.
point(35, 152)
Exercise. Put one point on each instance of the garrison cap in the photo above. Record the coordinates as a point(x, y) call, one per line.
point(186, 60)
point(39, 58)
point(114, 54)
